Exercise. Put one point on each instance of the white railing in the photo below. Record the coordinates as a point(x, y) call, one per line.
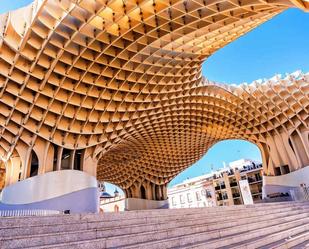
point(29, 212)
point(112, 199)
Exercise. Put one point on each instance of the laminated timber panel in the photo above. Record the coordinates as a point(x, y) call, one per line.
point(124, 78)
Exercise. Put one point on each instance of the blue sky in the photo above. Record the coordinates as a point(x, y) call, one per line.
point(281, 45)
point(278, 46)
point(6, 5)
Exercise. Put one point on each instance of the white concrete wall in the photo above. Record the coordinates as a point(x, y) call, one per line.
point(140, 204)
point(47, 186)
point(285, 183)
point(293, 179)
point(127, 204)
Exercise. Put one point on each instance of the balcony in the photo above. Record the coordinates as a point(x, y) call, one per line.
point(233, 184)
point(236, 195)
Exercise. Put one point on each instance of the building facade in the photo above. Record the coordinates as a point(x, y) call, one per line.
point(110, 203)
point(219, 188)
point(195, 192)
point(227, 183)
point(113, 204)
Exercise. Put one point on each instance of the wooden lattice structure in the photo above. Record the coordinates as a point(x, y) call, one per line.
point(120, 83)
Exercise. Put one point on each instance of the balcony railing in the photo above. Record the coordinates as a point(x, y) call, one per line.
point(233, 184)
point(28, 212)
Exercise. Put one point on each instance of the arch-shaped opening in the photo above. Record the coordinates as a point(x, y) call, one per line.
point(116, 208)
point(11, 170)
point(78, 159)
point(143, 192)
point(158, 192)
point(237, 67)
point(217, 178)
point(66, 158)
point(55, 158)
point(34, 165)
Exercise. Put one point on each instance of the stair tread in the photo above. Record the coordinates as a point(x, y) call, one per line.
point(158, 241)
point(254, 216)
point(213, 240)
point(253, 242)
point(304, 245)
point(242, 243)
point(237, 227)
point(84, 230)
point(83, 218)
point(303, 236)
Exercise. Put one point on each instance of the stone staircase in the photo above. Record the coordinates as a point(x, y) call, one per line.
point(272, 225)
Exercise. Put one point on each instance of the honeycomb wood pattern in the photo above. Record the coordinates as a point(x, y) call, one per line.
point(122, 79)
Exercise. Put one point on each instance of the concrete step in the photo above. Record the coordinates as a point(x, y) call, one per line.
point(238, 226)
point(132, 217)
point(189, 211)
point(262, 236)
point(149, 221)
point(215, 234)
point(172, 237)
point(299, 240)
point(67, 219)
point(224, 238)
point(26, 221)
point(147, 224)
point(270, 240)
point(304, 245)
point(171, 215)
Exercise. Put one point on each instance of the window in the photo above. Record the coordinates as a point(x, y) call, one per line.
point(224, 196)
point(189, 197)
point(222, 185)
point(258, 177)
point(116, 208)
point(174, 201)
point(285, 169)
point(182, 200)
point(198, 196)
point(277, 171)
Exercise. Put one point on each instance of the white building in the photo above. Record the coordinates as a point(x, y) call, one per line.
point(201, 191)
point(195, 192)
point(109, 203)
point(241, 163)
point(113, 204)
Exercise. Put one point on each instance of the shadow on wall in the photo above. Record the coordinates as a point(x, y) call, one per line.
point(83, 201)
point(59, 190)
